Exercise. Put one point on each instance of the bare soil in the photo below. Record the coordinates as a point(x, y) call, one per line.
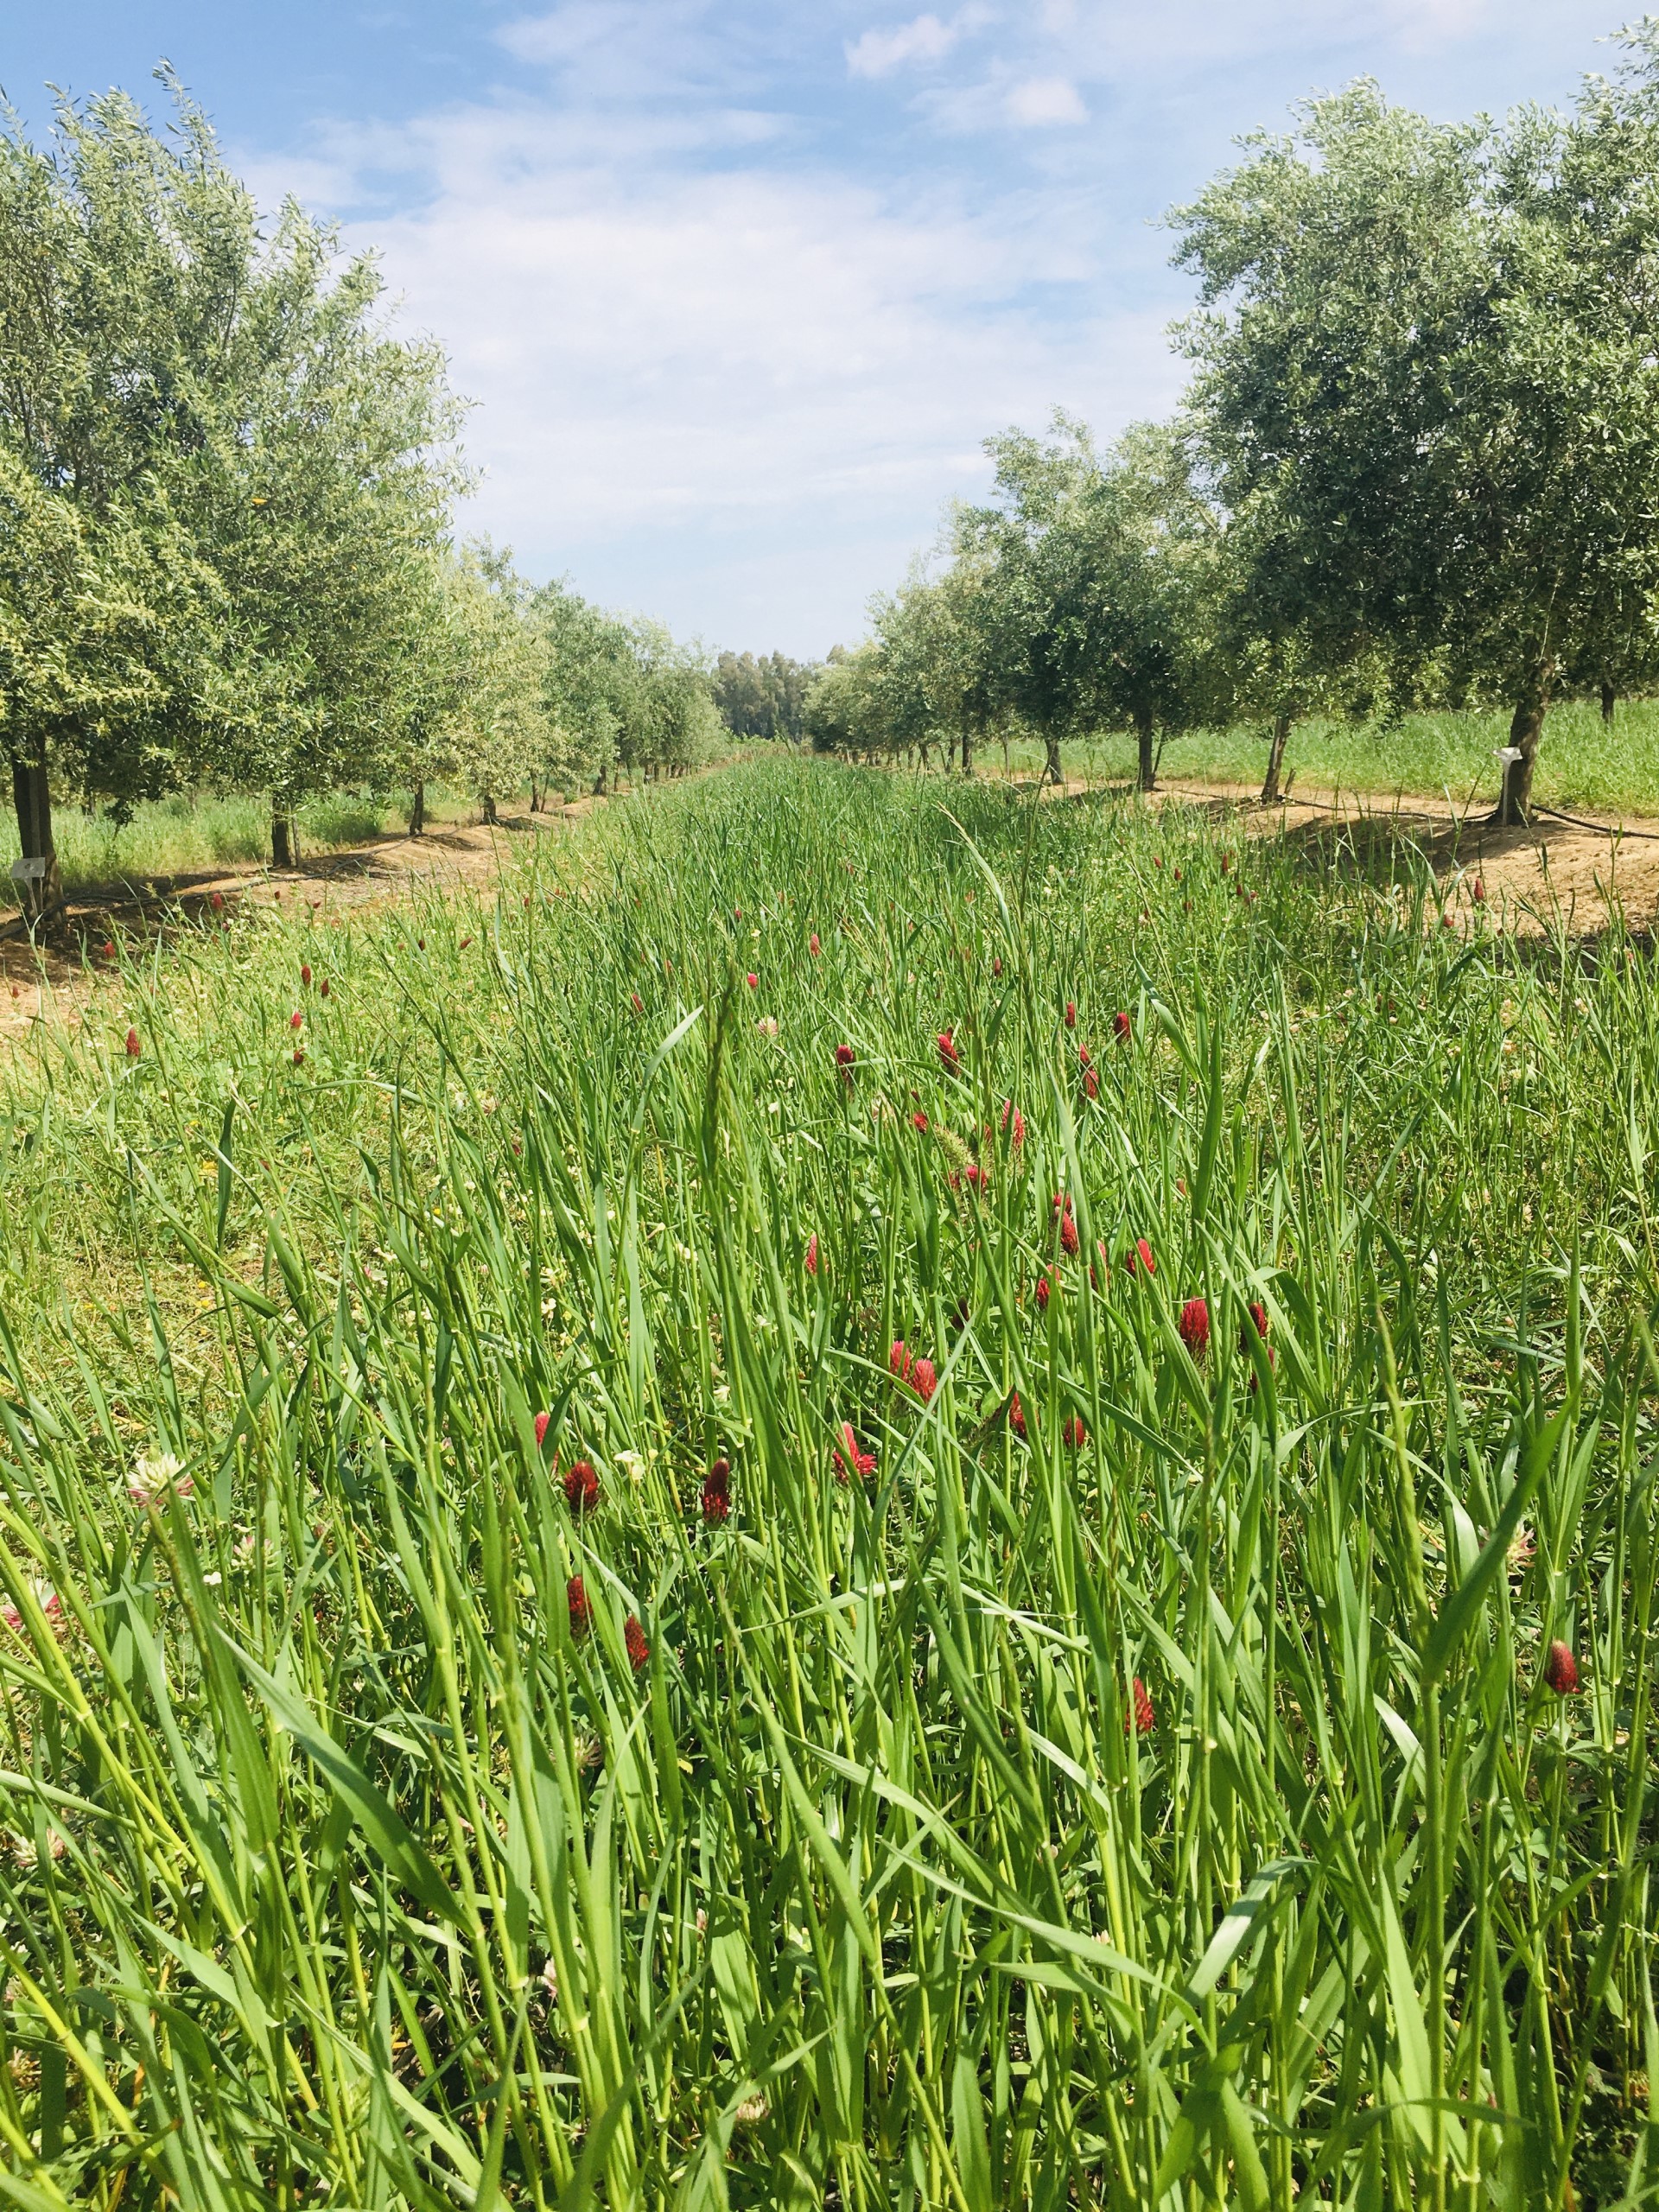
point(56, 977)
point(1559, 873)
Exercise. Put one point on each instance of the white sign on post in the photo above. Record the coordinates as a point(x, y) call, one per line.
point(31, 869)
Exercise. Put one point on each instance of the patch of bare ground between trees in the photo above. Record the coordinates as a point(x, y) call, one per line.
point(55, 980)
point(1556, 874)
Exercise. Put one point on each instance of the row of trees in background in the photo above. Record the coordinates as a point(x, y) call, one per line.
point(226, 549)
point(1417, 465)
point(765, 697)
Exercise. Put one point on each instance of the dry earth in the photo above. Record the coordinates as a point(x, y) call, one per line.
point(55, 979)
point(1561, 872)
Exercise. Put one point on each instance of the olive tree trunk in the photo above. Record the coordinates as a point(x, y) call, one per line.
point(1051, 759)
point(1275, 759)
point(418, 812)
point(967, 748)
point(1608, 699)
point(40, 887)
point(283, 840)
point(1526, 729)
point(1146, 774)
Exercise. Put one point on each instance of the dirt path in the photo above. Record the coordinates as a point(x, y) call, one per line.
point(58, 977)
point(1557, 873)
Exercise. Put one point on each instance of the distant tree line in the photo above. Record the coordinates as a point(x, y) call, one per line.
point(765, 697)
point(1417, 464)
point(228, 555)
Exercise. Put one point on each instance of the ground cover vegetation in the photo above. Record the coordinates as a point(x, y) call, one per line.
point(855, 1501)
point(227, 555)
point(1416, 468)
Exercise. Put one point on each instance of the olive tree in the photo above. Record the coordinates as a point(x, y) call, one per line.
point(1094, 569)
point(1428, 354)
point(249, 466)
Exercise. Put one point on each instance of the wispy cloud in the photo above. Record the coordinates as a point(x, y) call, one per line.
point(926, 38)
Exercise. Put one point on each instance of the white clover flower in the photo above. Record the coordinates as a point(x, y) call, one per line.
point(152, 1479)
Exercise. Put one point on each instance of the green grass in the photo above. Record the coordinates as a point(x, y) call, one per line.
point(1581, 764)
point(191, 834)
point(341, 1871)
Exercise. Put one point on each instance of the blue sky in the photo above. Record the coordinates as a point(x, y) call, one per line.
point(738, 286)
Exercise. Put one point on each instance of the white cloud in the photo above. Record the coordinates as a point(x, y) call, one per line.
point(672, 353)
point(924, 39)
point(1042, 101)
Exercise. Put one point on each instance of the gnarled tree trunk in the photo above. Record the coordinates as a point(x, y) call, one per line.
point(1526, 729)
point(1052, 760)
point(489, 808)
point(418, 812)
point(1146, 774)
point(1608, 699)
point(1275, 759)
point(283, 840)
point(40, 887)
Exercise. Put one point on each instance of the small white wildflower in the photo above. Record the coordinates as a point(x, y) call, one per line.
point(152, 1479)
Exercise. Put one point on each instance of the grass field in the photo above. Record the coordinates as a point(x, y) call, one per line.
point(1581, 764)
point(1163, 1793)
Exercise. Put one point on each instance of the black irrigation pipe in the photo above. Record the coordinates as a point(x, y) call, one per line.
point(1604, 829)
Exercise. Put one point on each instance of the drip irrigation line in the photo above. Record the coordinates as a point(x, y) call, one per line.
point(1606, 830)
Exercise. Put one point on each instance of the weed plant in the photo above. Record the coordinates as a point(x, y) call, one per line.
point(631, 1576)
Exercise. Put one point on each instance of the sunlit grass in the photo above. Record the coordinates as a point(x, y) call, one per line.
point(340, 1870)
point(1582, 763)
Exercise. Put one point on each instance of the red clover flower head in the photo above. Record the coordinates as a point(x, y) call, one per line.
point(581, 1487)
point(855, 1462)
